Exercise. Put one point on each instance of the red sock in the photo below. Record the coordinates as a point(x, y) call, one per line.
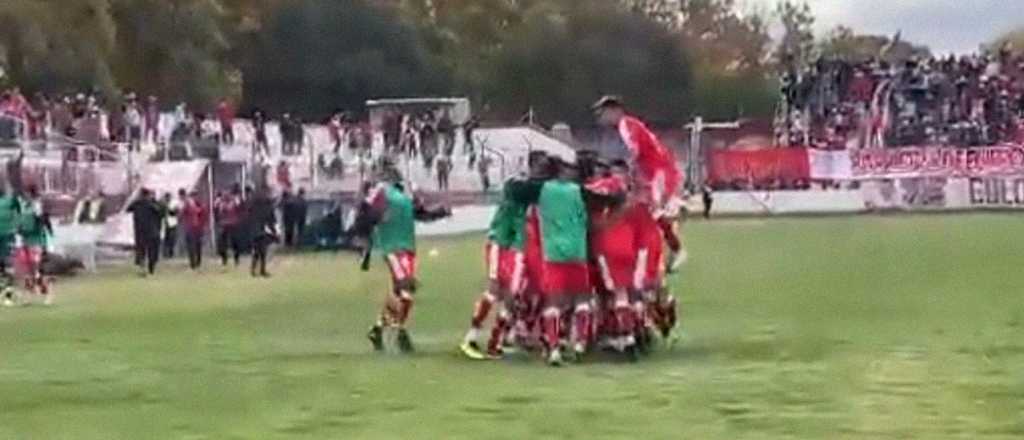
point(671, 239)
point(550, 326)
point(624, 319)
point(582, 323)
point(404, 308)
point(482, 309)
point(640, 315)
point(501, 325)
point(668, 312)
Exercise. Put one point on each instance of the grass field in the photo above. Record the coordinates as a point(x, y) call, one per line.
point(866, 328)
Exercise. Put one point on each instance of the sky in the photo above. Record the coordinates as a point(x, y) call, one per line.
point(946, 26)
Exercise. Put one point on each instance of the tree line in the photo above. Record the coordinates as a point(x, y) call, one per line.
point(670, 58)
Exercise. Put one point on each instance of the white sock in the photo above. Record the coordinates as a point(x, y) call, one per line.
point(472, 335)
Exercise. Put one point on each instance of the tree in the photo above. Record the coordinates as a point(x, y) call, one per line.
point(50, 44)
point(564, 56)
point(320, 55)
point(844, 44)
point(797, 44)
point(176, 50)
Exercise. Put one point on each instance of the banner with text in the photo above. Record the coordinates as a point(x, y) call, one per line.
point(933, 162)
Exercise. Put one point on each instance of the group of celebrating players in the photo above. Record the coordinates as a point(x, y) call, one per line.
point(576, 252)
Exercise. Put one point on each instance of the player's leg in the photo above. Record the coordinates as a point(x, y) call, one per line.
point(487, 301)
point(512, 284)
point(403, 273)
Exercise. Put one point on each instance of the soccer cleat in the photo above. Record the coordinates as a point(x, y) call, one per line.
point(632, 353)
point(678, 260)
point(555, 358)
point(472, 351)
point(376, 337)
point(496, 354)
point(405, 342)
point(47, 300)
point(8, 302)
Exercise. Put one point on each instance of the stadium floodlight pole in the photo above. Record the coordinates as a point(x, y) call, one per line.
point(694, 170)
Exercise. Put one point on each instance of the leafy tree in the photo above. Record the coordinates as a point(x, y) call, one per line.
point(843, 43)
point(323, 54)
point(561, 58)
point(176, 50)
point(51, 44)
point(796, 48)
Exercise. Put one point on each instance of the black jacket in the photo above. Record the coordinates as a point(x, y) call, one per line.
point(148, 217)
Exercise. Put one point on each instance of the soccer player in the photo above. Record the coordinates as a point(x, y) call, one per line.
point(656, 168)
point(613, 244)
point(394, 237)
point(653, 299)
point(35, 230)
point(10, 211)
point(505, 261)
point(566, 274)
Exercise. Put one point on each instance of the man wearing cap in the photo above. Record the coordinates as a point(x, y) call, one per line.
point(656, 168)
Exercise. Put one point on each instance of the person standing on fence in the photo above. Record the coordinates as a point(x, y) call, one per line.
point(133, 123)
point(147, 217)
point(259, 125)
point(152, 120)
point(194, 218)
point(226, 117)
point(444, 169)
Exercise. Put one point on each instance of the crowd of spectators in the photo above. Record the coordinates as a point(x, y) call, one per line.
point(971, 100)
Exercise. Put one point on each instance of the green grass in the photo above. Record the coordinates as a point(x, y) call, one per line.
point(866, 328)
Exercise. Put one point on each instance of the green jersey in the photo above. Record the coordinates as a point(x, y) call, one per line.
point(10, 215)
point(396, 231)
point(508, 227)
point(33, 227)
point(563, 222)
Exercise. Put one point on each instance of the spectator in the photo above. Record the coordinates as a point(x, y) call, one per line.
point(484, 169)
point(284, 176)
point(133, 123)
point(264, 231)
point(152, 119)
point(226, 118)
point(171, 232)
point(228, 212)
point(147, 218)
point(259, 125)
point(194, 217)
point(444, 169)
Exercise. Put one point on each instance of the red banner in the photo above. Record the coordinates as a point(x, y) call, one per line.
point(758, 166)
point(937, 162)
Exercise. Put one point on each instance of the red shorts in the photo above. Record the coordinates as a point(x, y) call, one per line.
point(650, 268)
point(615, 249)
point(27, 259)
point(402, 265)
point(533, 255)
point(506, 267)
point(566, 278)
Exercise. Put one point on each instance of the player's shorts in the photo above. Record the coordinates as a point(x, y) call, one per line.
point(27, 259)
point(533, 255)
point(565, 278)
point(616, 270)
point(507, 267)
point(650, 264)
point(402, 266)
point(615, 248)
